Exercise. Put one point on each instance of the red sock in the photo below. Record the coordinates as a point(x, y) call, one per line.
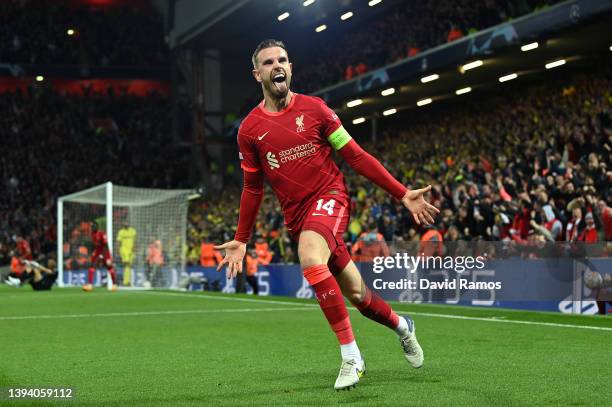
point(90, 275)
point(331, 301)
point(378, 310)
point(111, 271)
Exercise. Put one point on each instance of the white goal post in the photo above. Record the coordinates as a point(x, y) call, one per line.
point(146, 230)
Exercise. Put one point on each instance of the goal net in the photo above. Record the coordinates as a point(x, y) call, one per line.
point(145, 228)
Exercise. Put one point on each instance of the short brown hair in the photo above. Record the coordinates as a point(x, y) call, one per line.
point(269, 43)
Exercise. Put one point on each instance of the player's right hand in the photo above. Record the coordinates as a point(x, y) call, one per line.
point(234, 253)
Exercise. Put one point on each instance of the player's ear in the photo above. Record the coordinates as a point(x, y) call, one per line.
point(256, 75)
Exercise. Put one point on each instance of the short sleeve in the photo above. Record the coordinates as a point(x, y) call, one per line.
point(332, 128)
point(247, 153)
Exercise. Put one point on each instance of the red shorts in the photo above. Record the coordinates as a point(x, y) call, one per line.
point(101, 255)
point(329, 216)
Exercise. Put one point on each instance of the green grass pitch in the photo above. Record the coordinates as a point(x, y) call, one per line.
point(177, 349)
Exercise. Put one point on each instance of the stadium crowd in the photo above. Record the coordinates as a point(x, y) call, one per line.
point(59, 144)
point(530, 166)
point(543, 172)
point(36, 32)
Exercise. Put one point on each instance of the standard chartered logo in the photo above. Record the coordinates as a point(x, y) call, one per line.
point(272, 161)
point(290, 154)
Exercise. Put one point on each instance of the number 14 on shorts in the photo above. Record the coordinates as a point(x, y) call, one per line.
point(323, 206)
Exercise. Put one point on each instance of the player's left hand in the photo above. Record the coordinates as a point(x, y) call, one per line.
point(422, 211)
point(234, 253)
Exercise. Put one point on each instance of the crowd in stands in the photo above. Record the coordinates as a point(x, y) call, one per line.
point(532, 166)
point(36, 32)
point(409, 28)
point(58, 144)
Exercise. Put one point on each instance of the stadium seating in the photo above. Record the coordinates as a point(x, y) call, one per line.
point(62, 143)
point(408, 28)
point(486, 161)
point(37, 32)
point(482, 168)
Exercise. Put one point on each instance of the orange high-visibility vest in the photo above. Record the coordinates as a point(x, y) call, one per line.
point(431, 243)
point(208, 255)
point(264, 255)
point(251, 265)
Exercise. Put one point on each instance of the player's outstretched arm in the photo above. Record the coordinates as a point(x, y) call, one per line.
point(366, 165)
point(250, 200)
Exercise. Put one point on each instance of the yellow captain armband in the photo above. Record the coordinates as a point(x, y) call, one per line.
point(339, 138)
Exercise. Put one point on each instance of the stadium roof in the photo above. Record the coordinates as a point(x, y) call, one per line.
point(579, 47)
point(254, 21)
point(576, 31)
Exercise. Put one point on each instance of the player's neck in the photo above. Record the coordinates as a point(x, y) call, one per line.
point(275, 105)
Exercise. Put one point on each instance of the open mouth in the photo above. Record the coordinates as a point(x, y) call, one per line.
point(280, 81)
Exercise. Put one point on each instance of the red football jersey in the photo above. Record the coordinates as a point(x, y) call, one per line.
point(23, 247)
point(292, 149)
point(99, 240)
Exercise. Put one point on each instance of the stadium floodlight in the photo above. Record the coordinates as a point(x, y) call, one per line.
point(463, 91)
point(346, 16)
point(70, 31)
point(359, 120)
point(308, 2)
point(529, 47)
point(429, 78)
point(389, 112)
point(40, 78)
point(555, 64)
point(155, 214)
point(507, 78)
point(424, 102)
point(372, 3)
point(320, 28)
point(283, 16)
point(388, 91)
point(472, 65)
point(354, 102)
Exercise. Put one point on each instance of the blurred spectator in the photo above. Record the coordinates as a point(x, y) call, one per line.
point(209, 256)
point(605, 212)
point(262, 249)
point(155, 261)
point(589, 233)
point(454, 34)
point(369, 245)
point(251, 271)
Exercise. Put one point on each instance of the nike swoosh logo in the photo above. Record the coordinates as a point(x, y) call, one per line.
point(263, 135)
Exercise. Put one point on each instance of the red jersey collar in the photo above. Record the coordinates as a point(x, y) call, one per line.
point(285, 110)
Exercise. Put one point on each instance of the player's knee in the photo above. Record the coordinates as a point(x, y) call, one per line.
point(312, 249)
point(308, 258)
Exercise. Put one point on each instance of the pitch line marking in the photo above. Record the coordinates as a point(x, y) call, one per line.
point(214, 297)
point(511, 321)
point(145, 313)
point(425, 314)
